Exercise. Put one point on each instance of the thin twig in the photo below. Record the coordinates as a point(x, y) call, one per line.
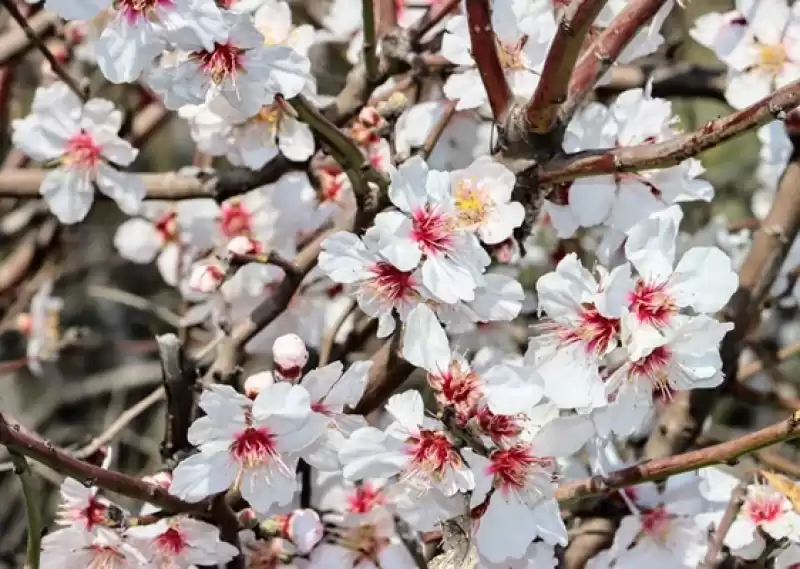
point(665, 467)
point(713, 556)
point(436, 12)
point(134, 301)
point(55, 64)
point(551, 91)
point(330, 336)
point(438, 129)
point(31, 495)
point(120, 424)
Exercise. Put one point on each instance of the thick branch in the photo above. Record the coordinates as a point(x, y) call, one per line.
point(16, 438)
point(16, 42)
point(605, 50)
point(676, 150)
point(669, 466)
point(487, 58)
point(370, 40)
point(25, 183)
point(178, 384)
point(551, 91)
point(388, 372)
point(435, 14)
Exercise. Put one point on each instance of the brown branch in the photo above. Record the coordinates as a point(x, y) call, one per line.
point(713, 557)
point(17, 438)
point(662, 468)
point(55, 65)
point(388, 372)
point(17, 42)
point(435, 14)
point(330, 337)
point(682, 421)
point(551, 91)
point(676, 150)
point(178, 387)
point(605, 50)
point(487, 59)
point(437, 130)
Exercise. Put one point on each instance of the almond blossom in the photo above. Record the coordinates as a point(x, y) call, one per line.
point(81, 140)
point(425, 233)
point(255, 447)
point(73, 548)
point(181, 542)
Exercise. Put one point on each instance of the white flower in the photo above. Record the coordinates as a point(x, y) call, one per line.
point(776, 149)
point(81, 507)
point(273, 18)
point(764, 510)
point(242, 70)
point(82, 139)
point(584, 327)
point(44, 328)
point(380, 288)
point(703, 279)
point(256, 448)
point(305, 530)
point(522, 44)
point(482, 194)
point(181, 542)
point(412, 446)
point(622, 200)
point(425, 233)
point(73, 548)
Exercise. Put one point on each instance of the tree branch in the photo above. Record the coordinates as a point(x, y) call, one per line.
point(16, 438)
point(487, 59)
point(676, 150)
point(370, 40)
point(669, 466)
point(16, 42)
point(388, 372)
point(178, 388)
point(551, 91)
point(436, 13)
point(713, 558)
point(605, 50)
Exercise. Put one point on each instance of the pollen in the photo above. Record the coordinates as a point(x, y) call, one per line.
point(772, 57)
point(472, 204)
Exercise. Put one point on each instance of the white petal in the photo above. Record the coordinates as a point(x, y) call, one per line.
point(203, 475)
point(425, 343)
point(127, 190)
point(137, 240)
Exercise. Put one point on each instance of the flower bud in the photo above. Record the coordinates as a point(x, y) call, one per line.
point(290, 356)
point(206, 277)
point(243, 245)
point(305, 530)
point(256, 382)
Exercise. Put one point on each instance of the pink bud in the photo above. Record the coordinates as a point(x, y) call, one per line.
point(243, 245)
point(290, 355)
point(256, 382)
point(206, 277)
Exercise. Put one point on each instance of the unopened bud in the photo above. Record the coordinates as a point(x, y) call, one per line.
point(248, 519)
point(243, 245)
point(290, 356)
point(256, 382)
point(206, 277)
point(162, 479)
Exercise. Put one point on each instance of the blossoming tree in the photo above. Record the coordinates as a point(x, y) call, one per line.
point(486, 334)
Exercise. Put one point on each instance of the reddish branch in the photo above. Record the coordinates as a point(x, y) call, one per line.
point(713, 557)
point(669, 466)
point(606, 49)
point(435, 14)
point(551, 91)
point(17, 438)
point(487, 58)
point(674, 151)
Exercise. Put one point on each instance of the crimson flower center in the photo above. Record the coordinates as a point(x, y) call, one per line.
point(82, 151)
point(432, 230)
point(134, 9)
point(93, 514)
point(236, 219)
point(167, 227)
point(391, 283)
point(457, 387)
point(253, 447)
point(171, 542)
point(595, 331)
point(498, 427)
point(651, 303)
point(365, 498)
point(762, 509)
point(511, 467)
point(655, 523)
point(653, 367)
point(224, 61)
point(433, 452)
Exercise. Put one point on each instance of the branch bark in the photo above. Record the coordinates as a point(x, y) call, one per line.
point(487, 58)
point(178, 386)
point(542, 109)
point(676, 150)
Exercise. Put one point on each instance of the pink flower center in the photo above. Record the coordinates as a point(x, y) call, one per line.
point(651, 304)
point(167, 227)
point(763, 508)
point(433, 453)
point(321, 408)
point(392, 284)
point(132, 10)
point(224, 61)
point(95, 513)
point(594, 330)
point(432, 230)
point(254, 447)
point(655, 523)
point(236, 219)
point(171, 542)
point(82, 151)
point(365, 498)
point(652, 368)
point(458, 388)
point(512, 467)
point(499, 428)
